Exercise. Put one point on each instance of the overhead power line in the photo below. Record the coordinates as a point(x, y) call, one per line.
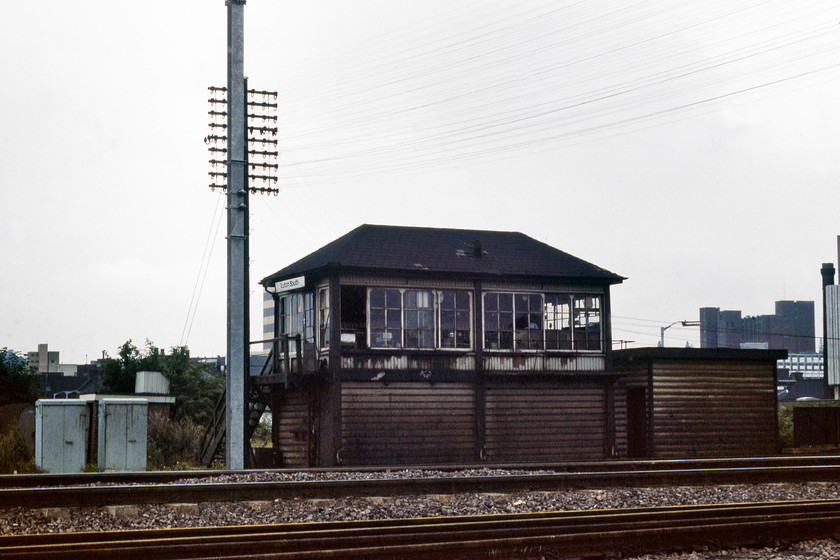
point(513, 79)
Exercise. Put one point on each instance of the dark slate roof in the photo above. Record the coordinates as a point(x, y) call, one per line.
point(415, 250)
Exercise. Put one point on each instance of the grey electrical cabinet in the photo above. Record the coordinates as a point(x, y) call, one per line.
point(61, 430)
point(122, 434)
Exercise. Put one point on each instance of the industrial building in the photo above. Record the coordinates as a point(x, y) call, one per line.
point(790, 328)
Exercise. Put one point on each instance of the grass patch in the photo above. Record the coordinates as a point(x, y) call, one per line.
point(173, 445)
point(14, 456)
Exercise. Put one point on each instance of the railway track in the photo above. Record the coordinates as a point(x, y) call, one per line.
point(123, 489)
point(559, 535)
point(164, 477)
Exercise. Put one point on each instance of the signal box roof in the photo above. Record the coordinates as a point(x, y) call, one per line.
point(416, 251)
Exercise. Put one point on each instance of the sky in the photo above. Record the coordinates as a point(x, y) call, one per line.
point(691, 147)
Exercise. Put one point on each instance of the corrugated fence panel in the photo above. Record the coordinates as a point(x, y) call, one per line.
point(537, 362)
point(545, 422)
point(454, 360)
point(407, 423)
point(295, 429)
point(710, 410)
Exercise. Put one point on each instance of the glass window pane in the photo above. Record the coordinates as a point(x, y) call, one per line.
point(411, 319)
point(506, 340)
point(491, 302)
point(377, 298)
point(462, 319)
point(411, 340)
point(392, 337)
point(393, 299)
point(427, 319)
point(424, 300)
point(462, 338)
point(462, 300)
point(506, 302)
point(377, 318)
point(506, 321)
point(377, 338)
point(447, 339)
point(427, 339)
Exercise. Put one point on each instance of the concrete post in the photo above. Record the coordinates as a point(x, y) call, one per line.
point(237, 241)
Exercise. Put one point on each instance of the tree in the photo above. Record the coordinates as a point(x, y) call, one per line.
point(18, 382)
point(118, 376)
point(195, 387)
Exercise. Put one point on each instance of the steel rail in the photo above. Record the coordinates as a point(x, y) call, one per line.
point(162, 477)
point(132, 494)
point(553, 535)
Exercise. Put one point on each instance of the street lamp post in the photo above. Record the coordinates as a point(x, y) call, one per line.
point(683, 323)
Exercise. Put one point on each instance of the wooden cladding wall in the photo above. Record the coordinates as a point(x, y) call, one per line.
point(292, 440)
point(632, 413)
point(540, 422)
point(407, 423)
point(714, 408)
point(620, 446)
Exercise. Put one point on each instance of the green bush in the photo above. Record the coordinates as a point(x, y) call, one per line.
point(262, 433)
point(173, 445)
point(786, 418)
point(786, 424)
point(14, 457)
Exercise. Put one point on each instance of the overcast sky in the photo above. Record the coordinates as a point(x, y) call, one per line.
point(689, 146)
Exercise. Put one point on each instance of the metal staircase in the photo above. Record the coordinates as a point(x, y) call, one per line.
point(259, 400)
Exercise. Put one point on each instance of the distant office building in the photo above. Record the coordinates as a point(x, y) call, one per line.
point(800, 375)
point(42, 360)
point(805, 365)
point(791, 328)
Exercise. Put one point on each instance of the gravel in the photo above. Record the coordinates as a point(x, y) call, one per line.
point(26, 521)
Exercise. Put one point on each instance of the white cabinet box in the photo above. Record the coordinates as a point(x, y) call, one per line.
point(122, 434)
point(61, 430)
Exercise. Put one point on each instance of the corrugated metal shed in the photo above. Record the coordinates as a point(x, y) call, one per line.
point(705, 402)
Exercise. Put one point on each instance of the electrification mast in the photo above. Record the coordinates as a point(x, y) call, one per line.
point(249, 120)
point(237, 240)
